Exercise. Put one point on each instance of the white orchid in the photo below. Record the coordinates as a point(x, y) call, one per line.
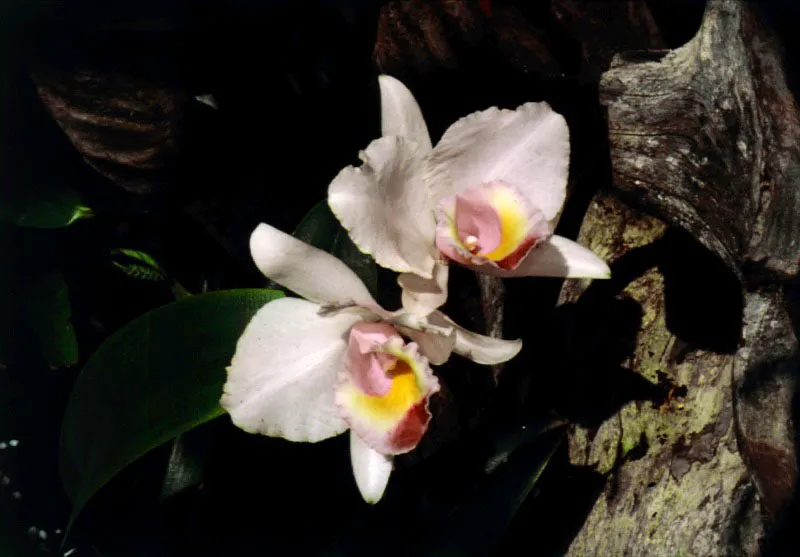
point(487, 196)
point(306, 370)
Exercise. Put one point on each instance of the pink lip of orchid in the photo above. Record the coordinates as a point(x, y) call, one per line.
point(490, 224)
point(309, 369)
point(487, 196)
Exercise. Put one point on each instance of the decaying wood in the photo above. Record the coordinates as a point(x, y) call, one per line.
point(126, 128)
point(675, 482)
point(764, 374)
point(707, 137)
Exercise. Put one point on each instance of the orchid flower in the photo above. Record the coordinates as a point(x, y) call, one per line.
point(309, 369)
point(487, 196)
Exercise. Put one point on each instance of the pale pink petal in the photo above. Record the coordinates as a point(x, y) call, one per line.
point(421, 296)
point(491, 224)
point(447, 240)
point(394, 423)
point(556, 257)
point(386, 208)
point(476, 218)
point(366, 366)
point(371, 469)
point(304, 269)
point(400, 113)
point(527, 148)
point(284, 372)
point(482, 349)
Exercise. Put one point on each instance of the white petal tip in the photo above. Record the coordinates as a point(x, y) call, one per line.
point(559, 257)
point(370, 469)
point(400, 113)
point(502, 352)
point(597, 269)
point(485, 350)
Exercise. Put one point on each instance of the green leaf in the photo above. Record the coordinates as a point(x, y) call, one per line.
point(321, 229)
point(157, 377)
point(477, 526)
point(137, 265)
point(187, 461)
point(48, 311)
point(43, 207)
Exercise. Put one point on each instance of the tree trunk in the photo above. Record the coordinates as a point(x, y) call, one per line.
point(706, 137)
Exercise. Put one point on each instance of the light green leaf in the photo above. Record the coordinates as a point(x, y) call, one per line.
point(321, 229)
point(48, 311)
point(43, 207)
point(138, 265)
point(157, 377)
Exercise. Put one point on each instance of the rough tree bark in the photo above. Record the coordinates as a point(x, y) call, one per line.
point(707, 137)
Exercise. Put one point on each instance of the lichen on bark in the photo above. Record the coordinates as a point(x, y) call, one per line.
point(672, 466)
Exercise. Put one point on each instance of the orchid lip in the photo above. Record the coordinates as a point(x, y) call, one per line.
point(384, 389)
point(491, 223)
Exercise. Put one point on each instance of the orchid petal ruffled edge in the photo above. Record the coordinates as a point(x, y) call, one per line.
point(527, 148)
point(385, 207)
point(283, 374)
point(390, 435)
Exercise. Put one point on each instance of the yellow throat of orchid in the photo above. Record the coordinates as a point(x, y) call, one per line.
point(514, 222)
point(404, 393)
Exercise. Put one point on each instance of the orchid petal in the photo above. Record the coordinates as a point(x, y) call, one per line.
point(421, 296)
point(400, 113)
point(371, 469)
point(304, 269)
point(386, 208)
point(527, 148)
point(285, 370)
point(438, 339)
point(392, 423)
point(482, 349)
point(555, 257)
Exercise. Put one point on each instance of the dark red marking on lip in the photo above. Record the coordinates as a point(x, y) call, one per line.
point(486, 7)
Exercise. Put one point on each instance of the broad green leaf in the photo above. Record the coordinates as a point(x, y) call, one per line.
point(321, 229)
point(43, 207)
point(48, 311)
point(157, 377)
point(477, 526)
